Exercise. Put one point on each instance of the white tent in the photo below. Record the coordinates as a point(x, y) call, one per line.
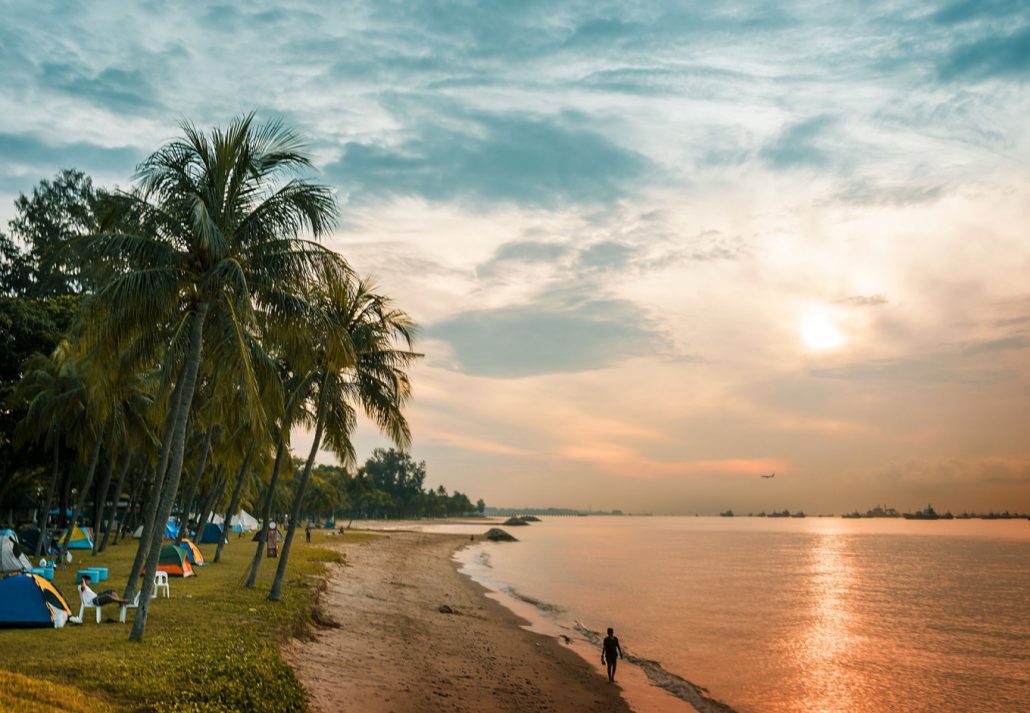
point(9, 561)
point(243, 521)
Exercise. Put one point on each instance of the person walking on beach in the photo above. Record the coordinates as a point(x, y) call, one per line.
point(611, 652)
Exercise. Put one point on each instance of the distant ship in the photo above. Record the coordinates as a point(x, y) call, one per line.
point(728, 513)
point(785, 513)
point(928, 514)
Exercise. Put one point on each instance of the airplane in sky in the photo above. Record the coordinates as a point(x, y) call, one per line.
point(771, 475)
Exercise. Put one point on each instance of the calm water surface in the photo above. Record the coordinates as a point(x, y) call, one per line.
point(817, 614)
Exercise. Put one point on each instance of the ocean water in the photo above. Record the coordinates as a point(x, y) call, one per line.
point(819, 614)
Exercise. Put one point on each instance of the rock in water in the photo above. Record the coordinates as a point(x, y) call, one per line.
point(496, 534)
point(515, 522)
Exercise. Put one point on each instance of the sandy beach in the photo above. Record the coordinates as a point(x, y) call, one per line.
point(390, 648)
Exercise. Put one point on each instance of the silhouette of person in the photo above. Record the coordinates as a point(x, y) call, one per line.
point(611, 652)
point(307, 533)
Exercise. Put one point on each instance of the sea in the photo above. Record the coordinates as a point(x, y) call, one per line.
point(787, 614)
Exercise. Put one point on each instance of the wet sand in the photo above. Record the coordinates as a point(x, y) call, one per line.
point(393, 651)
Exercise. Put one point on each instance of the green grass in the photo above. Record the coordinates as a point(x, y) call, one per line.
point(213, 646)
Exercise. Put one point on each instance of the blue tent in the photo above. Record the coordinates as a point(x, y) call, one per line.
point(212, 534)
point(171, 529)
point(28, 600)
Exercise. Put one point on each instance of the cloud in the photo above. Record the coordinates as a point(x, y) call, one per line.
point(120, 90)
point(864, 300)
point(29, 150)
point(499, 158)
point(606, 255)
point(954, 366)
point(800, 144)
point(1004, 56)
point(557, 333)
point(965, 11)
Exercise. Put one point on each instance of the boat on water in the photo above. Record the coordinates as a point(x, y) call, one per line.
point(928, 514)
point(728, 513)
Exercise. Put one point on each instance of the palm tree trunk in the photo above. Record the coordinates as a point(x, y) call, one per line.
point(44, 520)
point(101, 500)
point(131, 520)
point(81, 500)
point(187, 501)
point(209, 502)
point(234, 501)
point(112, 521)
point(66, 495)
point(154, 496)
point(171, 485)
point(276, 592)
point(266, 514)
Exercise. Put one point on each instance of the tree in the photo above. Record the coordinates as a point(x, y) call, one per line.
point(211, 234)
point(50, 223)
point(395, 473)
point(480, 506)
point(357, 364)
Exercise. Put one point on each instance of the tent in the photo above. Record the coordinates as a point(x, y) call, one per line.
point(243, 522)
point(11, 557)
point(29, 538)
point(171, 529)
point(28, 600)
point(174, 561)
point(212, 534)
point(192, 553)
point(81, 539)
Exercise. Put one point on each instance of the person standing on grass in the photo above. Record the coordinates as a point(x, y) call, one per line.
point(611, 652)
point(307, 532)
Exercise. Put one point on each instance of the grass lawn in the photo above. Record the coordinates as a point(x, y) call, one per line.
point(213, 646)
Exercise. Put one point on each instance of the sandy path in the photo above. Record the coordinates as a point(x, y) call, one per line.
point(395, 652)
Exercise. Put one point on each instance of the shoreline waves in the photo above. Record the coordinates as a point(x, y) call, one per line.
point(646, 684)
point(403, 630)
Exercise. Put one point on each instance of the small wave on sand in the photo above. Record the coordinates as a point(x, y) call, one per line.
point(676, 685)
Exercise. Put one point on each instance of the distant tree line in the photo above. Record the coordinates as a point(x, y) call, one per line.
point(389, 485)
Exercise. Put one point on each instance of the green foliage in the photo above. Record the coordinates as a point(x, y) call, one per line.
point(48, 223)
point(389, 485)
point(29, 327)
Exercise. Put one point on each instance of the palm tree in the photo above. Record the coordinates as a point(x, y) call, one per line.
point(56, 394)
point(356, 364)
point(212, 233)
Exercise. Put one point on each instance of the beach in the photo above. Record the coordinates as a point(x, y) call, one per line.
point(387, 645)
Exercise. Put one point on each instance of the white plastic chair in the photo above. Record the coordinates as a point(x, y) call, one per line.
point(89, 603)
point(161, 582)
point(134, 605)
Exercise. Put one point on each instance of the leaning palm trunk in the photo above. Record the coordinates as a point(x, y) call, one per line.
point(171, 486)
point(101, 503)
point(234, 501)
point(276, 592)
point(51, 487)
point(266, 515)
point(154, 497)
point(186, 505)
point(131, 520)
point(112, 521)
point(81, 500)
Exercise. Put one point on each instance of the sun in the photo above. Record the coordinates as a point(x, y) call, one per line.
point(819, 332)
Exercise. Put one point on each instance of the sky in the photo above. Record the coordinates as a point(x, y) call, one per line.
point(655, 249)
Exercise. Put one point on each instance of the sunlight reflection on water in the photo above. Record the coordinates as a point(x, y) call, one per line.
point(799, 615)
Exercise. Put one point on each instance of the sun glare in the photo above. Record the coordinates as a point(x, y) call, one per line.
point(819, 332)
